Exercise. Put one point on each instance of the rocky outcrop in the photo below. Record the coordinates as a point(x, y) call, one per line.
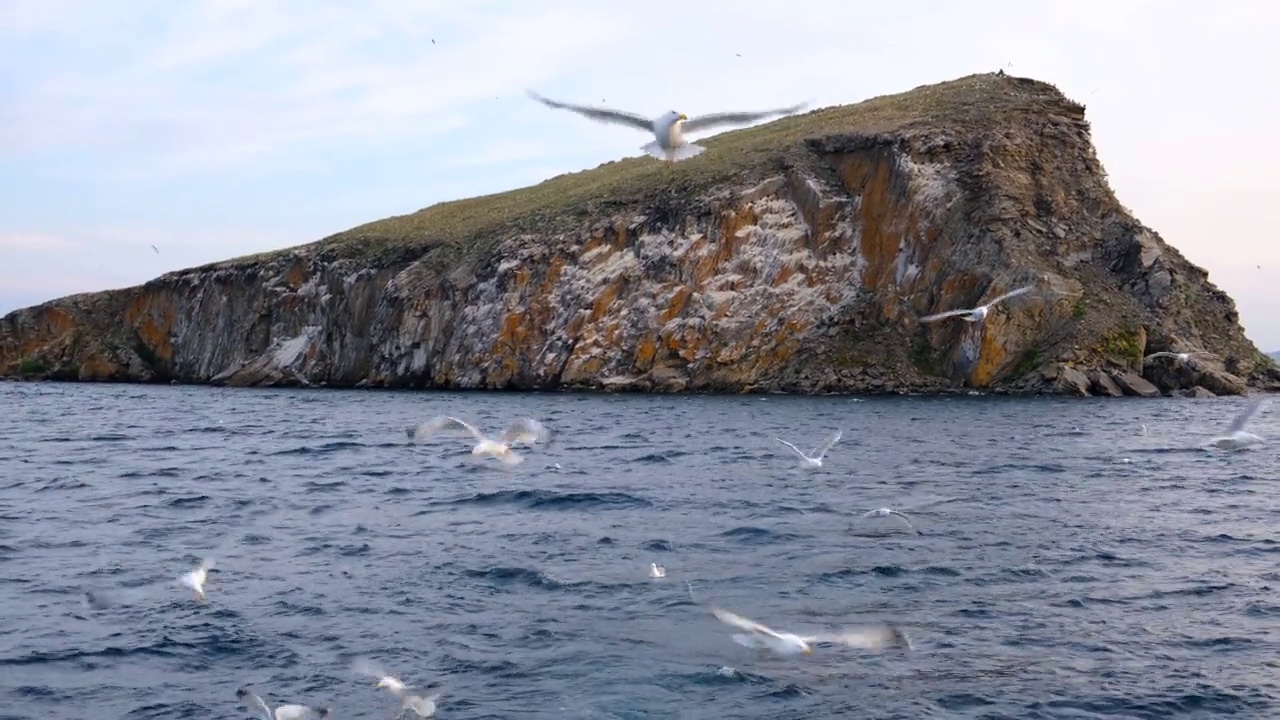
point(791, 257)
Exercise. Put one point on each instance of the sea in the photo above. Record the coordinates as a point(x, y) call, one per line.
point(1061, 558)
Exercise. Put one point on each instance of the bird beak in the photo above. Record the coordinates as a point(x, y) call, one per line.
point(808, 651)
point(683, 116)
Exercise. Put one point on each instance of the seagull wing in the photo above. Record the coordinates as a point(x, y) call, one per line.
point(822, 449)
point(870, 637)
point(616, 117)
point(1155, 355)
point(1202, 353)
point(436, 424)
point(253, 702)
point(947, 314)
point(704, 122)
point(904, 519)
point(1239, 421)
point(526, 430)
point(794, 449)
point(1011, 293)
point(742, 623)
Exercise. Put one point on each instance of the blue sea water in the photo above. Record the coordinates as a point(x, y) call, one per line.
point(1068, 565)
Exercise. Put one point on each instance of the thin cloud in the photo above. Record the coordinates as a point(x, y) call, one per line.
point(240, 83)
point(35, 243)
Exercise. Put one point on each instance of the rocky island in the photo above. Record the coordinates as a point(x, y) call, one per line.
point(795, 256)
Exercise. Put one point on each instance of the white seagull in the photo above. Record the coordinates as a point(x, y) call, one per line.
point(979, 313)
point(1236, 436)
point(890, 512)
point(522, 430)
point(657, 571)
point(869, 637)
point(422, 705)
point(668, 128)
point(1180, 356)
point(197, 577)
point(283, 712)
point(814, 458)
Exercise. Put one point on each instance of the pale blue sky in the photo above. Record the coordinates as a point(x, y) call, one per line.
point(216, 128)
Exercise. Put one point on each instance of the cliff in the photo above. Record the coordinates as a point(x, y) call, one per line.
point(794, 256)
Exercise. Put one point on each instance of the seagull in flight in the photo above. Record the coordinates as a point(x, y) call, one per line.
point(422, 705)
point(979, 313)
point(890, 512)
point(1181, 357)
point(756, 635)
point(283, 712)
point(668, 129)
point(657, 571)
point(523, 430)
point(814, 458)
point(1236, 437)
point(197, 578)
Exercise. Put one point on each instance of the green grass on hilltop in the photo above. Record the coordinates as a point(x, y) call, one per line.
point(452, 230)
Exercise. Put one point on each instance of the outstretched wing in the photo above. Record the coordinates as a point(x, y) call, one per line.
point(794, 449)
point(616, 117)
point(869, 637)
point(904, 519)
point(741, 623)
point(1201, 353)
point(1239, 421)
point(526, 430)
point(442, 422)
point(947, 314)
point(255, 703)
point(822, 449)
point(1011, 293)
point(1162, 353)
point(704, 122)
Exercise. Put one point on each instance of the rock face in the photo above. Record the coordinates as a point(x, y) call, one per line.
point(793, 257)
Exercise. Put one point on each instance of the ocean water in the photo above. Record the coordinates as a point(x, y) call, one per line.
point(1068, 565)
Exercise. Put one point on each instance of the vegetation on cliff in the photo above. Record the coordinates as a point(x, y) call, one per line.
point(794, 256)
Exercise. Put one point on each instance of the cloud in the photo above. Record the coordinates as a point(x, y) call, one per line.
point(230, 83)
point(35, 242)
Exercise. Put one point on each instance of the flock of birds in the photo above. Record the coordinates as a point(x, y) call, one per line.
point(669, 145)
point(752, 634)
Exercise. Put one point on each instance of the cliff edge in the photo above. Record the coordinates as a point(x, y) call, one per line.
point(794, 256)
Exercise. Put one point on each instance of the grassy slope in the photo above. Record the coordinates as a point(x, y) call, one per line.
point(454, 230)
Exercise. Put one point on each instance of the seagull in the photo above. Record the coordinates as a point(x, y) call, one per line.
point(979, 313)
point(668, 128)
point(890, 512)
point(522, 430)
point(657, 571)
point(814, 459)
point(1181, 357)
point(1236, 437)
point(284, 712)
point(197, 577)
point(422, 705)
point(869, 637)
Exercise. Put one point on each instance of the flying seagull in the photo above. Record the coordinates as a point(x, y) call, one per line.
point(668, 129)
point(283, 712)
point(1236, 436)
point(522, 430)
point(870, 637)
point(814, 458)
point(423, 705)
point(1181, 357)
point(197, 578)
point(890, 512)
point(979, 313)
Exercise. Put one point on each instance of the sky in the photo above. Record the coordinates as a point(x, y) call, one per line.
point(143, 136)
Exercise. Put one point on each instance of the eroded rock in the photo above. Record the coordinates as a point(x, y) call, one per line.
point(801, 268)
